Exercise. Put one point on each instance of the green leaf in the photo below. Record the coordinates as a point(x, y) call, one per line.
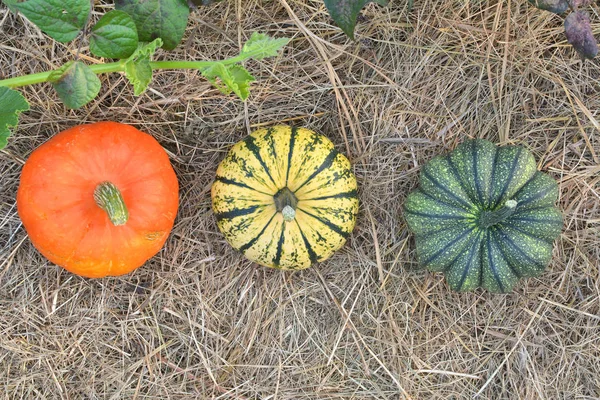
point(114, 35)
point(165, 19)
point(12, 103)
point(233, 78)
point(260, 46)
point(75, 83)
point(137, 67)
point(62, 20)
point(345, 12)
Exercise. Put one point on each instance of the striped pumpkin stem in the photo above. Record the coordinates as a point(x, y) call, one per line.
point(490, 218)
point(109, 198)
point(285, 203)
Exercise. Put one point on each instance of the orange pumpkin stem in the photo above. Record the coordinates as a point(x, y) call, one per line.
point(109, 198)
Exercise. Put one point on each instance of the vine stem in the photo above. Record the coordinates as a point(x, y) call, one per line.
point(119, 66)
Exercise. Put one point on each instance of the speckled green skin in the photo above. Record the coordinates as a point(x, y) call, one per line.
point(455, 189)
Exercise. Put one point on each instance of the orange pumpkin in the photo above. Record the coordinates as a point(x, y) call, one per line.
point(98, 199)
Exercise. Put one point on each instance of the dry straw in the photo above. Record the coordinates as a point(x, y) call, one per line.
point(199, 321)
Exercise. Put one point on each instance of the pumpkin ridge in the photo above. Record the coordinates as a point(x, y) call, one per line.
point(293, 133)
point(503, 254)
point(339, 178)
point(253, 240)
point(325, 164)
point(510, 174)
point(493, 179)
point(445, 228)
point(132, 156)
point(438, 185)
point(66, 206)
point(86, 233)
point(447, 245)
point(76, 243)
point(536, 197)
point(236, 212)
point(454, 171)
point(491, 262)
point(435, 216)
point(512, 244)
point(342, 195)
point(520, 210)
point(328, 224)
point(480, 201)
point(525, 184)
point(529, 219)
point(311, 253)
point(476, 242)
point(81, 168)
point(514, 228)
point(459, 208)
point(251, 145)
point(129, 182)
point(448, 267)
point(228, 181)
point(277, 258)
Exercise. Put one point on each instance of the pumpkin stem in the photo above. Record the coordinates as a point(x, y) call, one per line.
point(489, 218)
point(285, 203)
point(288, 213)
point(109, 198)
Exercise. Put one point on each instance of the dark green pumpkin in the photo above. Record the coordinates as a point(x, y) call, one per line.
point(484, 216)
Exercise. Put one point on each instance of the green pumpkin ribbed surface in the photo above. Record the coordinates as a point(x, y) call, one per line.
point(460, 193)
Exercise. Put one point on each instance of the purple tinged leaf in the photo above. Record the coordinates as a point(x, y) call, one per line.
point(165, 19)
point(75, 83)
point(62, 20)
point(555, 6)
point(579, 34)
point(580, 3)
point(345, 12)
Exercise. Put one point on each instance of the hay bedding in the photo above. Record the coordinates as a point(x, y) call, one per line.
point(199, 321)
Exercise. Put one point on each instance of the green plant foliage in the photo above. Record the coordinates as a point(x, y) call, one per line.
point(579, 33)
point(232, 78)
point(260, 46)
point(62, 20)
point(114, 36)
point(75, 83)
point(165, 19)
point(484, 216)
point(345, 12)
point(137, 67)
point(118, 34)
point(12, 103)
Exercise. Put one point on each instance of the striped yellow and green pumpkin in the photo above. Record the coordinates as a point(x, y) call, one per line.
point(484, 216)
point(285, 197)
